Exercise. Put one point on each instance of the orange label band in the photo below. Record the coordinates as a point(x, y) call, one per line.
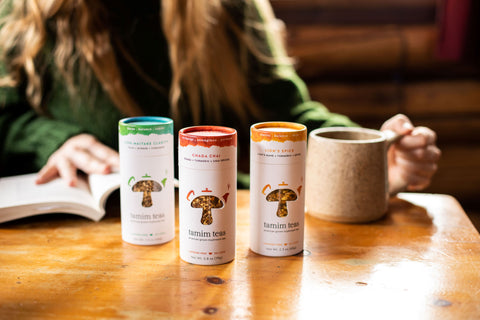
point(278, 131)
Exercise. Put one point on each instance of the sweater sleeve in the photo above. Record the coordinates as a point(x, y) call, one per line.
point(26, 138)
point(284, 96)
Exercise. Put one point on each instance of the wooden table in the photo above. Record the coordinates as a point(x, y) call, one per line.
point(422, 261)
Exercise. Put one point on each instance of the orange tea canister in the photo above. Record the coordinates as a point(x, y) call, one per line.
point(277, 188)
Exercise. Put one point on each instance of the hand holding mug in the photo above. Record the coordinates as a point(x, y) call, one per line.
point(351, 172)
point(412, 160)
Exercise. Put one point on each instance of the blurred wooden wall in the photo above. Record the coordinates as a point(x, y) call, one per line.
point(371, 59)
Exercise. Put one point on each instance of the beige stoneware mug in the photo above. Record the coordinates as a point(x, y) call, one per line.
point(346, 174)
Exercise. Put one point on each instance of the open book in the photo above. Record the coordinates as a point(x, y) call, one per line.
point(20, 197)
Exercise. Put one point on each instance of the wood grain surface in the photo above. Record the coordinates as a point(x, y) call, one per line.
point(421, 261)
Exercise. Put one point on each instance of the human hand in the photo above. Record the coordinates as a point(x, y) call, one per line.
point(412, 160)
point(82, 152)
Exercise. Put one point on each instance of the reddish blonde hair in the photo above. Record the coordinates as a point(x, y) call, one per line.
point(209, 69)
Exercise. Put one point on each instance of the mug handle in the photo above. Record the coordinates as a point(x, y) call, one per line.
point(401, 185)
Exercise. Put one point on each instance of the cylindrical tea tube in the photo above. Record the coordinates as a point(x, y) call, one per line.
point(147, 195)
point(207, 159)
point(277, 187)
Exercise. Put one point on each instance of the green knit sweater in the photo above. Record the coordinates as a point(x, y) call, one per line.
point(27, 139)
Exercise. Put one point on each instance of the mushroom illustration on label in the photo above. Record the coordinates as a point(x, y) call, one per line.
point(207, 203)
point(147, 187)
point(282, 196)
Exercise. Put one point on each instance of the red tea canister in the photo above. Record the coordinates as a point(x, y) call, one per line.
point(207, 158)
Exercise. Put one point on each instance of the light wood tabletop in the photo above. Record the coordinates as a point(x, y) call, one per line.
point(422, 261)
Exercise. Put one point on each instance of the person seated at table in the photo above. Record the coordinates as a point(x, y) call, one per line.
point(70, 69)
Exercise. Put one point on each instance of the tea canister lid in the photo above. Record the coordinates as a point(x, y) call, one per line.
point(278, 131)
point(145, 125)
point(208, 136)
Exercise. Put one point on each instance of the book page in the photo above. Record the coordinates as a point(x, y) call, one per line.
point(101, 186)
point(19, 190)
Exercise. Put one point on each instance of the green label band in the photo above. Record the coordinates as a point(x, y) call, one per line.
point(145, 126)
point(145, 130)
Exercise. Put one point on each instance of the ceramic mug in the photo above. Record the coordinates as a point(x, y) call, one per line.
point(346, 174)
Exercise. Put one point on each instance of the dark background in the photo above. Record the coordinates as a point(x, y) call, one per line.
point(372, 59)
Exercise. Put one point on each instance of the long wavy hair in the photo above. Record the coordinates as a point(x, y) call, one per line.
point(209, 70)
